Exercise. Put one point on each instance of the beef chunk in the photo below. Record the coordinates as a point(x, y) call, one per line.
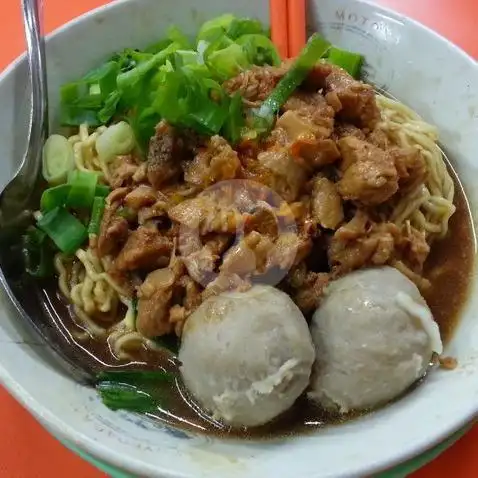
point(165, 150)
point(146, 249)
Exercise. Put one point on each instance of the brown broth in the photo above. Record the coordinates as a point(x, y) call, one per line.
point(449, 267)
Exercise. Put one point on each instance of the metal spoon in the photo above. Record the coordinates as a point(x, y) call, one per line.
point(19, 199)
point(15, 198)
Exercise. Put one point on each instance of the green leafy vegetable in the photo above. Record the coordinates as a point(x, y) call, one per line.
point(125, 59)
point(185, 100)
point(259, 50)
point(175, 35)
point(118, 396)
point(64, 229)
point(113, 87)
point(217, 26)
point(230, 26)
point(143, 122)
point(227, 62)
point(232, 45)
point(37, 253)
point(104, 77)
point(139, 86)
point(141, 116)
point(245, 26)
point(109, 107)
point(263, 118)
point(349, 61)
point(135, 391)
point(137, 56)
point(81, 95)
point(71, 115)
point(82, 101)
point(186, 57)
point(129, 81)
point(156, 47)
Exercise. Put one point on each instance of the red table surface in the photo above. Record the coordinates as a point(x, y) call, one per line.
point(31, 451)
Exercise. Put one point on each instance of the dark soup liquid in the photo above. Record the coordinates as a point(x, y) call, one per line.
point(449, 267)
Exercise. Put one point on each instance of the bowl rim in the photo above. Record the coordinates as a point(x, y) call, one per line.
point(404, 469)
point(96, 449)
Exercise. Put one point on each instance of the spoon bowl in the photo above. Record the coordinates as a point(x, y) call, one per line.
point(20, 196)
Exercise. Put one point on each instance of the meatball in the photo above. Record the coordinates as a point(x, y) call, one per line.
point(374, 337)
point(247, 356)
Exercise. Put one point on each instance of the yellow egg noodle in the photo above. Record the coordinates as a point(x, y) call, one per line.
point(429, 207)
point(85, 282)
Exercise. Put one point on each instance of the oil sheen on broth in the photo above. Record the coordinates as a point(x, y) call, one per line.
point(449, 267)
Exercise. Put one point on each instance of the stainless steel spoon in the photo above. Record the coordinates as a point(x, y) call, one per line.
point(16, 196)
point(19, 199)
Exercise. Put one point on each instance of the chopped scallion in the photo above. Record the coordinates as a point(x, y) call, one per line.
point(57, 196)
point(102, 190)
point(118, 139)
point(58, 159)
point(185, 100)
point(133, 77)
point(97, 211)
point(64, 229)
point(54, 197)
point(37, 255)
point(315, 49)
point(349, 61)
point(235, 121)
point(83, 187)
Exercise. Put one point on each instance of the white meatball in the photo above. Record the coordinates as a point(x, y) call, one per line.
point(374, 337)
point(247, 356)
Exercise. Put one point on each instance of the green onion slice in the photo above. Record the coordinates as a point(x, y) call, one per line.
point(97, 211)
point(54, 197)
point(37, 256)
point(64, 229)
point(58, 159)
point(316, 48)
point(82, 189)
point(349, 61)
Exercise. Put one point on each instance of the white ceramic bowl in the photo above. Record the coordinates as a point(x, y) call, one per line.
point(417, 66)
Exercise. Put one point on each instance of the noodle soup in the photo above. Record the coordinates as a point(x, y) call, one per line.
point(202, 249)
point(449, 263)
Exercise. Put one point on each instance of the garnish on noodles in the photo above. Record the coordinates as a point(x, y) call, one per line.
point(246, 221)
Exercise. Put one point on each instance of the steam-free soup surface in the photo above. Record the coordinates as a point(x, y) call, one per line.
point(449, 269)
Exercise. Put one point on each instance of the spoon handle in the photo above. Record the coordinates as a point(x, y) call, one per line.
point(25, 295)
point(31, 163)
